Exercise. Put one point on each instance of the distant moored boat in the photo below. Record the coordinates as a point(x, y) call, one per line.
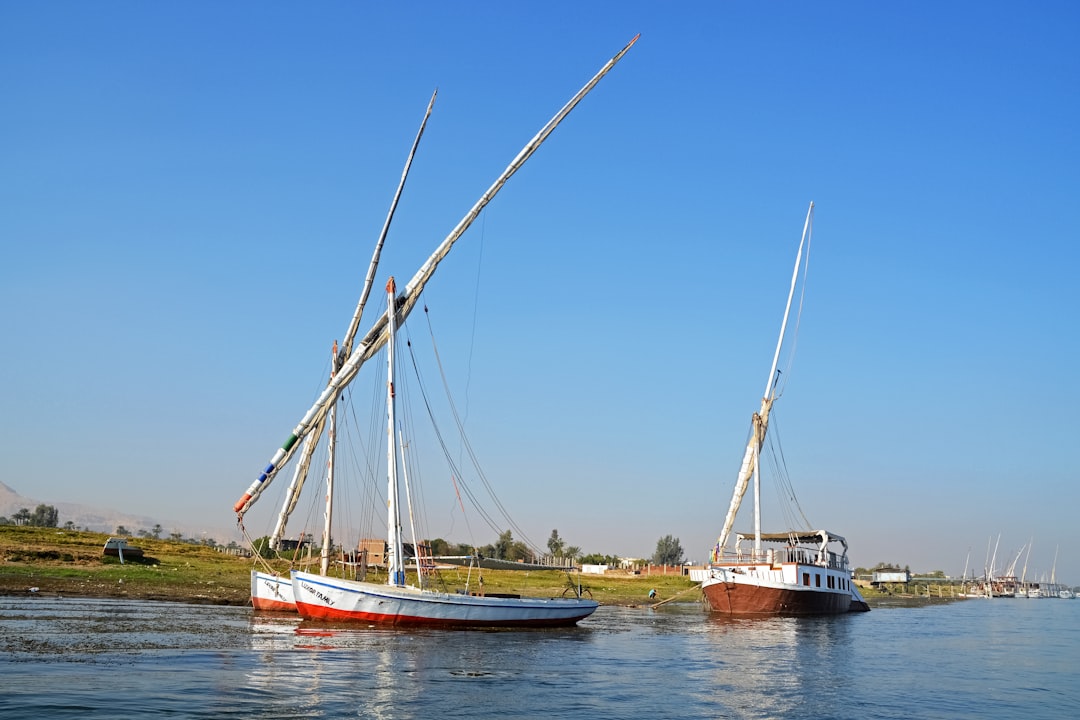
point(805, 571)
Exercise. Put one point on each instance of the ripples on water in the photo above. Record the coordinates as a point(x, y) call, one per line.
point(83, 658)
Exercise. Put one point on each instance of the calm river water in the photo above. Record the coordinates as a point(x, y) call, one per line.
point(81, 658)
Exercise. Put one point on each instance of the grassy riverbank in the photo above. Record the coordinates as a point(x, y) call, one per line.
point(65, 562)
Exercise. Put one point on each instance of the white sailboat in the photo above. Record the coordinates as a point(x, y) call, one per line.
point(318, 595)
point(270, 590)
point(806, 572)
point(1022, 590)
point(1056, 589)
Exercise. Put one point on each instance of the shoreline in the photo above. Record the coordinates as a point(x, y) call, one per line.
point(49, 562)
point(41, 583)
point(17, 586)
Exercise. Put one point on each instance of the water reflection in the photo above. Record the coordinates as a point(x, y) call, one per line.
point(766, 667)
point(113, 659)
point(383, 672)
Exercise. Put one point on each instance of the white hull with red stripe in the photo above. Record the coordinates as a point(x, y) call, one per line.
point(338, 600)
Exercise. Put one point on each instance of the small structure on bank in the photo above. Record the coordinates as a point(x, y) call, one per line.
point(119, 548)
point(890, 575)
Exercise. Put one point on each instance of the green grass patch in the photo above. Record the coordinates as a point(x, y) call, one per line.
point(71, 562)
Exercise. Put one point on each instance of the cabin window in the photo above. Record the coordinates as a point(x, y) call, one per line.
point(817, 580)
point(806, 579)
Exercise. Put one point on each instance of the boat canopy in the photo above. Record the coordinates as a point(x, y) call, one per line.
point(803, 536)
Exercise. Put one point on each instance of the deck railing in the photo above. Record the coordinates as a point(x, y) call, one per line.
point(774, 556)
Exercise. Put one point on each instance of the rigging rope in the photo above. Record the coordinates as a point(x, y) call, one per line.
point(467, 446)
point(785, 490)
point(445, 449)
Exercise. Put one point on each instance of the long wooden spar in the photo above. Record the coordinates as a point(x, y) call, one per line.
point(376, 337)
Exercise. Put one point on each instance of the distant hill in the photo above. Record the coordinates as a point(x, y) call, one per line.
point(107, 520)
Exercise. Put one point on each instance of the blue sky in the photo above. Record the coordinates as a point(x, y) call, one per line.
point(191, 192)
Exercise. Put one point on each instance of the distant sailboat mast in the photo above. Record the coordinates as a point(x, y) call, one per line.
point(993, 562)
point(1023, 576)
point(377, 335)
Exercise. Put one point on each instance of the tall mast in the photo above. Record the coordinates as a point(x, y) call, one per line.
point(395, 564)
point(377, 336)
point(292, 495)
point(760, 420)
point(331, 446)
point(757, 493)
